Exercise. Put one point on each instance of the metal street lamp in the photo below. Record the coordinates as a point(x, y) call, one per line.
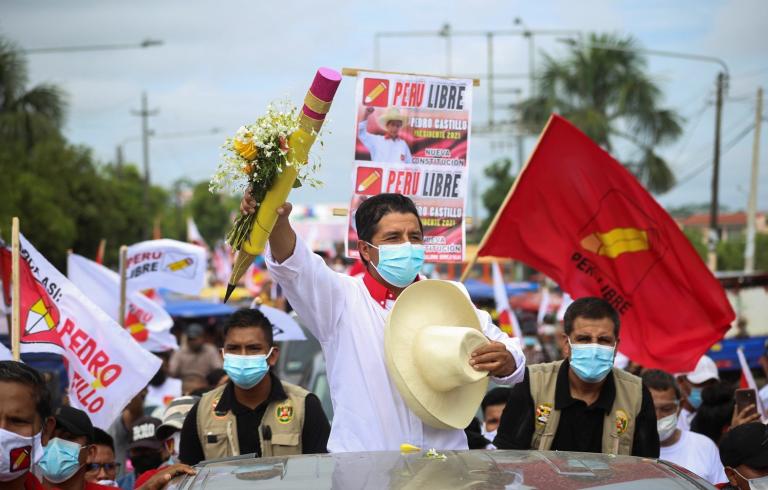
point(146, 43)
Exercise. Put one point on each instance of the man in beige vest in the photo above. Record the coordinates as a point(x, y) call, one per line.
point(254, 412)
point(582, 403)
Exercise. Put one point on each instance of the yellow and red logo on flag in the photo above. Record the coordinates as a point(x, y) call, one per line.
point(580, 217)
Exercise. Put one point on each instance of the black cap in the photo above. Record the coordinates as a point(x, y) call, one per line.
point(74, 421)
point(745, 444)
point(144, 434)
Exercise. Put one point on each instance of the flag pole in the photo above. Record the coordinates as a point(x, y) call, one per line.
point(16, 292)
point(100, 251)
point(123, 255)
point(496, 218)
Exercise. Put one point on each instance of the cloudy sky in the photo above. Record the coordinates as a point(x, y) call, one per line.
point(222, 61)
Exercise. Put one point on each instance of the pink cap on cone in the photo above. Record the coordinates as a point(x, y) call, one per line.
point(321, 93)
point(326, 82)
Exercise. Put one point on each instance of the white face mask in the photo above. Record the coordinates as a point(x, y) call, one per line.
point(666, 426)
point(755, 483)
point(18, 454)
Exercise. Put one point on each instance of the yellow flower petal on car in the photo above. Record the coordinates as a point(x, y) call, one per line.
point(409, 448)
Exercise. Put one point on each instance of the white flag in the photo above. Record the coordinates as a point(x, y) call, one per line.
point(193, 234)
point(564, 304)
point(106, 366)
point(148, 323)
point(5, 353)
point(543, 305)
point(507, 318)
point(222, 262)
point(168, 264)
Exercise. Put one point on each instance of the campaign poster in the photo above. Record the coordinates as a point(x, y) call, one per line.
point(412, 138)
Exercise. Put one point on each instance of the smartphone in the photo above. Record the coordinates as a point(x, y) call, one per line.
point(744, 398)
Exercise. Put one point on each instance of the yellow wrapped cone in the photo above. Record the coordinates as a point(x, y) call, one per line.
point(316, 105)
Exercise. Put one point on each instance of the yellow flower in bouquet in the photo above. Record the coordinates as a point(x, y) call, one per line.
point(247, 149)
point(254, 158)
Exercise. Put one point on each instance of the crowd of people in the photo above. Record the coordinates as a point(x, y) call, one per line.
point(559, 390)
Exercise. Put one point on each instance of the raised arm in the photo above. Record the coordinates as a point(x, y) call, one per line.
point(282, 241)
point(314, 290)
point(363, 135)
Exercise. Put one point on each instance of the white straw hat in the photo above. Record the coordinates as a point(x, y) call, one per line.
point(392, 114)
point(431, 332)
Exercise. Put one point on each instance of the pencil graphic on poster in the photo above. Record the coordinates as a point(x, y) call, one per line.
point(365, 184)
point(375, 92)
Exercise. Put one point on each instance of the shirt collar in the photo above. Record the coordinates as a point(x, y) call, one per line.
point(563, 398)
point(379, 292)
point(228, 402)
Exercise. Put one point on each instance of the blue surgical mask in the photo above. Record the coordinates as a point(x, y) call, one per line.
point(695, 398)
point(61, 460)
point(246, 371)
point(591, 362)
point(399, 264)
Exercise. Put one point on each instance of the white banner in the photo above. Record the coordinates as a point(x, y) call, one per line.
point(412, 135)
point(168, 264)
point(148, 323)
point(106, 366)
point(193, 234)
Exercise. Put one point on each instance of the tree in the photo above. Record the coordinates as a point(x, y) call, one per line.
point(27, 115)
point(499, 173)
point(608, 95)
point(212, 212)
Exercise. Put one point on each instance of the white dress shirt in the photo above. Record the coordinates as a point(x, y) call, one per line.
point(368, 412)
point(383, 149)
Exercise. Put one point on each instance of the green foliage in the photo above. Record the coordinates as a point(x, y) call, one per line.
point(212, 212)
point(696, 237)
point(499, 173)
point(730, 253)
point(63, 197)
point(608, 95)
point(27, 115)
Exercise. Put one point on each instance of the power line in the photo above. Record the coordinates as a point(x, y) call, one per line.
point(726, 148)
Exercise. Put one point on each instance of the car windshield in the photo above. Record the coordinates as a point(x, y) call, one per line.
point(453, 469)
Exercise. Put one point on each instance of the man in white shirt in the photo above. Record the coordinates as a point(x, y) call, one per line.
point(691, 384)
point(690, 450)
point(389, 147)
point(348, 314)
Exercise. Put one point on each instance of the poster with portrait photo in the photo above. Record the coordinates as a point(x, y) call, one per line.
point(412, 138)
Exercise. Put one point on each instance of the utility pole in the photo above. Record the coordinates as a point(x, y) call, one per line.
point(119, 160)
point(490, 78)
point(145, 114)
point(749, 251)
point(714, 229)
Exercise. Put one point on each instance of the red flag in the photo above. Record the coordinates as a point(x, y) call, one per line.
point(582, 219)
point(5, 274)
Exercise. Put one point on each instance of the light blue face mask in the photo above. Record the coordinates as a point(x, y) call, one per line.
point(695, 398)
point(61, 460)
point(399, 264)
point(591, 362)
point(246, 371)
